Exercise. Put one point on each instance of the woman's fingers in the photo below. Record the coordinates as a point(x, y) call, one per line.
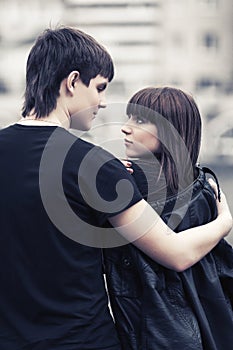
point(128, 165)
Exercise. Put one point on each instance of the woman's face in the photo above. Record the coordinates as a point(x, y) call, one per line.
point(141, 139)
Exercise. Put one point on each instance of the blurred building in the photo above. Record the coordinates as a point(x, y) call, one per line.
point(132, 32)
point(20, 22)
point(180, 42)
point(185, 43)
point(199, 43)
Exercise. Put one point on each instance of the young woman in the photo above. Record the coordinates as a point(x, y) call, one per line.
point(155, 307)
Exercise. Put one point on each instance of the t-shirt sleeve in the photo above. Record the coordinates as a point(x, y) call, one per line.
point(106, 185)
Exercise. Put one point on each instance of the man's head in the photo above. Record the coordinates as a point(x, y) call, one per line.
point(55, 54)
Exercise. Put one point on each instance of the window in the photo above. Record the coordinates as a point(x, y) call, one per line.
point(3, 87)
point(228, 133)
point(207, 82)
point(210, 42)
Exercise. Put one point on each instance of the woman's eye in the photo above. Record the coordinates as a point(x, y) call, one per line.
point(140, 120)
point(137, 120)
point(101, 88)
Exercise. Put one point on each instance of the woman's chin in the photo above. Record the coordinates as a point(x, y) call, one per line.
point(132, 155)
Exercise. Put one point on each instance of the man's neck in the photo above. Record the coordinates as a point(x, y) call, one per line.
point(55, 118)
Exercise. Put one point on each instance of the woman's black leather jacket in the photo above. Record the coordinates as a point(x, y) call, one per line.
point(156, 308)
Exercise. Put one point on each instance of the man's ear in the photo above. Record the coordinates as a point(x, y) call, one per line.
point(71, 80)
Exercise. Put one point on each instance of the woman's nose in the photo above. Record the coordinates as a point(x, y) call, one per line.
point(102, 102)
point(126, 129)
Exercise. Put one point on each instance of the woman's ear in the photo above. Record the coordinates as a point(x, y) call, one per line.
point(71, 80)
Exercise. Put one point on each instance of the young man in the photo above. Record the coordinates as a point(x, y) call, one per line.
point(55, 215)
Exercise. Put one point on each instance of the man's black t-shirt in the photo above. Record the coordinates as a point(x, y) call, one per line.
point(52, 290)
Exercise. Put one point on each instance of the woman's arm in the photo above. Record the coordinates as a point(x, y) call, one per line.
point(142, 226)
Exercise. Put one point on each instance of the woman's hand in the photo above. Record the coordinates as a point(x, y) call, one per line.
point(127, 165)
point(223, 209)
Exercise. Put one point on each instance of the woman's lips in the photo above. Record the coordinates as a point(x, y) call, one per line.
point(128, 141)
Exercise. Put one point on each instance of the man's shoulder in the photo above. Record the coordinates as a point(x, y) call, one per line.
point(5, 129)
point(95, 153)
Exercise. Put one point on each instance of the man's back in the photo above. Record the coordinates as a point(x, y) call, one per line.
point(52, 290)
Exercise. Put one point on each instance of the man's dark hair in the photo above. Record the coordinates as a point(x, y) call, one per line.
point(55, 54)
